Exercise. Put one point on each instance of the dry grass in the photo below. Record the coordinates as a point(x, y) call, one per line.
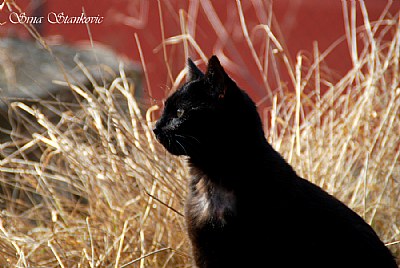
point(96, 190)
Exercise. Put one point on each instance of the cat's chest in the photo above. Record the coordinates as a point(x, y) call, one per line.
point(211, 203)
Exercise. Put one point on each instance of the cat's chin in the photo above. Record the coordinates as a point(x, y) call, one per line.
point(173, 147)
point(176, 151)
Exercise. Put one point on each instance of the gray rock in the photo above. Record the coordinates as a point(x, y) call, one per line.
point(27, 71)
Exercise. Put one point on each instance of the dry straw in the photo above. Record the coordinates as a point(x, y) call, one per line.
point(96, 190)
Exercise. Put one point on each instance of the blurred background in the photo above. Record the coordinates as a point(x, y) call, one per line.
point(302, 26)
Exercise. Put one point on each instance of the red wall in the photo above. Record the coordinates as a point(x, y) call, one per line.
point(301, 23)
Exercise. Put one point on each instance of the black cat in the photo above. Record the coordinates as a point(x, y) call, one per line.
point(246, 206)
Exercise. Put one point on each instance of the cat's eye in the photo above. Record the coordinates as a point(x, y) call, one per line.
point(179, 113)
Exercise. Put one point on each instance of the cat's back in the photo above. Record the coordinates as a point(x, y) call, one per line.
point(296, 217)
point(332, 233)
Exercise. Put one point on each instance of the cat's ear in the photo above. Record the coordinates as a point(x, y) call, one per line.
point(216, 77)
point(193, 73)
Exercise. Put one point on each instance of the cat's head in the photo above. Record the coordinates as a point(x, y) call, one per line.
point(199, 116)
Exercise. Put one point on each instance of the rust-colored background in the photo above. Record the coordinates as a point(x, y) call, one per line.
point(301, 23)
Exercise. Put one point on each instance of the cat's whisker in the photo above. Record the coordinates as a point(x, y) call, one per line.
point(184, 150)
point(188, 141)
point(191, 137)
point(169, 142)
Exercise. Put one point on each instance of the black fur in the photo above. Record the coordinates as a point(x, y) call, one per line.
point(246, 206)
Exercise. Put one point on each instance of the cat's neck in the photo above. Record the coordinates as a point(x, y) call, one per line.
point(252, 157)
point(231, 157)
